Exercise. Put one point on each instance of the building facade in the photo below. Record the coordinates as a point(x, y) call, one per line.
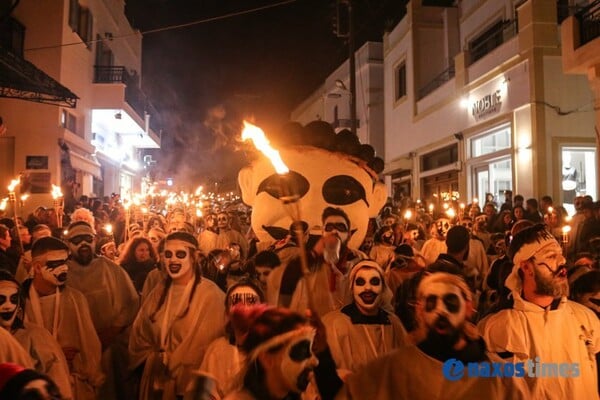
point(93, 149)
point(332, 101)
point(476, 102)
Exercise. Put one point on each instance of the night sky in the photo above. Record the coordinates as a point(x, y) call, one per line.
point(205, 78)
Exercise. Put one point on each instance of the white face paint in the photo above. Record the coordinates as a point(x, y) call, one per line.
point(178, 259)
point(243, 295)
point(9, 301)
point(323, 179)
point(55, 267)
point(297, 362)
point(443, 225)
point(444, 307)
point(366, 290)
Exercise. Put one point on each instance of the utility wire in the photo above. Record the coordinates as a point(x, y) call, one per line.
point(172, 27)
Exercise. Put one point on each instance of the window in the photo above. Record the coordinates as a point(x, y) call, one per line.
point(400, 80)
point(491, 142)
point(81, 22)
point(439, 158)
point(578, 174)
point(68, 121)
point(12, 35)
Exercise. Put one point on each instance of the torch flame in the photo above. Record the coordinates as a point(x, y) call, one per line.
point(24, 197)
point(262, 143)
point(56, 192)
point(3, 203)
point(13, 185)
point(108, 228)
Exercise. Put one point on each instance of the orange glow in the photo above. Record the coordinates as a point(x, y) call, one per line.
point(56, 192)
point(262, 143)
point(13, 185)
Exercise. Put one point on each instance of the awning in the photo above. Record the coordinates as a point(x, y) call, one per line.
point(83, 164)
point(20, 79)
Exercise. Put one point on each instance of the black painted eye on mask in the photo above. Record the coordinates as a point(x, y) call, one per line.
point(275, 184)
point(181, 254)
point(300, 351)
point(342, 190)
point(14, 299)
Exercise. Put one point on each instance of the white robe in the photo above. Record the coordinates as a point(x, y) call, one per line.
point(47, 355)
point(408, 373)
point(354, 345)
point(432, 248)
point(111, 296)
point(24, 268)
point(73, 329)
point(383, 255)
point(153, 278)
point(223, 362)
point(232, 236)
point(207, 241)
point(555, 336)
point(186, 340)
point(12, 351)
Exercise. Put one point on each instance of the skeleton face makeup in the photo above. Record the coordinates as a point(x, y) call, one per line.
point(178, 259)
point(297, 362)
point(9, 302)
point(243, 295)
point(321, 179)
point(444, 307)
point(223, 221)
point(443, 225)
point(366, 290)
point(55, 267)
point(81, 247)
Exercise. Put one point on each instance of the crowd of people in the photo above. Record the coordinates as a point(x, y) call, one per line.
point(164, 308)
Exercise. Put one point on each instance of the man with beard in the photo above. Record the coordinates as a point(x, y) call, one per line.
point(112, 299)
point(47, 354)
point(64, 312)
point(383, 250)
point(180, 318)
point(542, 324)
point(416, 371)
point(228, 235)
point(362, 330)
point(330, 260)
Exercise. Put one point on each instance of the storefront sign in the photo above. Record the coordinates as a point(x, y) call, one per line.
point(487, 105)
point(36, 162)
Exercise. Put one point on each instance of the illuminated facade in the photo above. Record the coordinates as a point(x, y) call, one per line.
point(94, 148)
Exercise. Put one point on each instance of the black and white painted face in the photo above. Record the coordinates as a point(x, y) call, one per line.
point(178, 259)
point(336, 225)
point(55, 268)
point(9, 303)
point(81, 247)
point(367, 289)
point(444, 307)
point(443, 225)
point(320, 179)
point(297, 362)
point(223, 221)
point(550, 272)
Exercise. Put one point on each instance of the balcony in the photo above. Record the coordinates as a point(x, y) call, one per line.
point(344, 123)
point(494, 37)
point(438, 81)
point(133, 95)
point(589, 22)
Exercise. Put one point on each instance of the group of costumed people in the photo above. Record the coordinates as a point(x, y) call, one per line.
point(297, 310)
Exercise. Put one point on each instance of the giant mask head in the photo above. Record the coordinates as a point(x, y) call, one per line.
point(321, 176)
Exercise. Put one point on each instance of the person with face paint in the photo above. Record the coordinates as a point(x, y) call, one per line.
point(542, 323)
point(228, 235)
point(207, 239)
point(24, 267)
point(330, 260)
point(362, 330)
point(179, 319)
point(64, 312)
point(223, 359)
point(112, 299)
point(436, 245)
point(47, 354)
point(277, 344)
point(383, 249)
point(415, 371)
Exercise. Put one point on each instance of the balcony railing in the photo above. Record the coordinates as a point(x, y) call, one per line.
point(344, 123)
point(438, 81)
point(589, 22)
point(494, 38)
point(134, 96)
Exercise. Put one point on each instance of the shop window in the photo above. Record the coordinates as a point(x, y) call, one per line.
point(578, 174)
point(491, 142)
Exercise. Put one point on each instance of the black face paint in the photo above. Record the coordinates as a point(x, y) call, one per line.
point(342, 190)
point(179, 254)
point(451, 301)
point(340, 227)
point(55, 264)
point(300, 351)
point(82, 238)
point(275, 184)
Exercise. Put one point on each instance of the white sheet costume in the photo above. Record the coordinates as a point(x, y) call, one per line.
point(66, 316)
point(185, 339)
point(12, 351)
